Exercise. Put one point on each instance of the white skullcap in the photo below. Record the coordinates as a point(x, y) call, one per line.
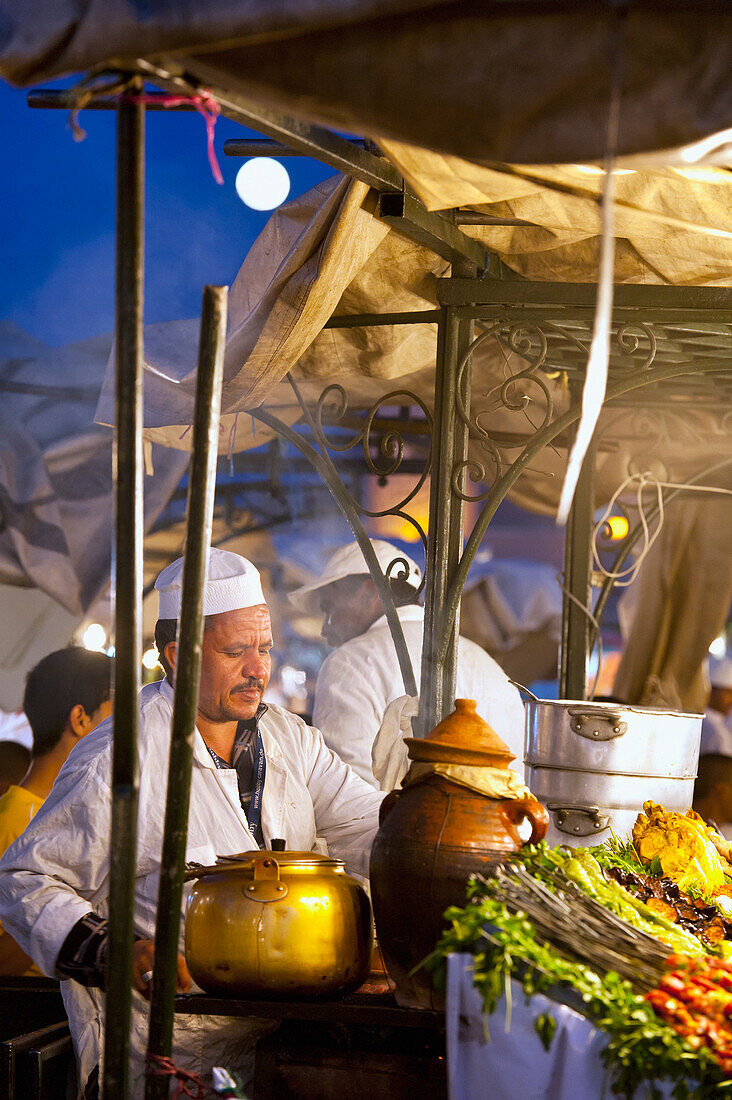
point(720, 672)
point(349, 561)
point(232, 583)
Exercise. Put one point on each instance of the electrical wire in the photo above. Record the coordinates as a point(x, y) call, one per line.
point(624, 577)
point(646, 480)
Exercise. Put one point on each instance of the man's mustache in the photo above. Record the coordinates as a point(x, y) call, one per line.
point(250, 684)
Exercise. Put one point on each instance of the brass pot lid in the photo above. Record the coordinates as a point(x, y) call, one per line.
point(246, 861)
point(463, 737)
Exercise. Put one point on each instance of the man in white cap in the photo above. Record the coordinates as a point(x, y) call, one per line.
point(362, 677)
point(259, 773)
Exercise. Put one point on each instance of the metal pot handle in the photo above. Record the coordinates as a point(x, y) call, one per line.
point(596, 725)
point(525, 691)
point(266, 884)
point(579, 820)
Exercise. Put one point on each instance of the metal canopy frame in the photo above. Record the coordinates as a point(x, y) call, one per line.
point(662, 335)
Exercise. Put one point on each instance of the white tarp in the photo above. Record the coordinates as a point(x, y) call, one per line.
point(56, 490)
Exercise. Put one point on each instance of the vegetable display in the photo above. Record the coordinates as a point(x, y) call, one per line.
point(695, 998)
point(683, 846)
point(564, 921)
point(642, 1048)
point(663, 896)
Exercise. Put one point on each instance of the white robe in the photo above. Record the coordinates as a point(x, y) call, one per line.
point(358, 680)
point(58, 870)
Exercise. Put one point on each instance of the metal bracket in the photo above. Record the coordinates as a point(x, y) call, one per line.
point(408, 216)
point(578, 820)
point(266, 884)
point(597, 725)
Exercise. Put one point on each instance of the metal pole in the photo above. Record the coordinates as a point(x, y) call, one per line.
point(445, 533)
point(127, 463)
point(575, 647)
point(201, 491)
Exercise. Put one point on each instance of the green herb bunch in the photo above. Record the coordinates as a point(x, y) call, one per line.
point(642, 1049)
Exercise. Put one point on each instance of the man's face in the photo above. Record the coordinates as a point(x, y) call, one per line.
point(721, 700)
point(236, 664)
point(350, 606)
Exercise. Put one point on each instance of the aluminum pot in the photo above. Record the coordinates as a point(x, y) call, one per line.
point(594, 764)
point(280, 924)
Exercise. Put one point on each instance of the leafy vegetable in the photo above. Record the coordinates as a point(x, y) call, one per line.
point(545, 1025)
point(581, 866)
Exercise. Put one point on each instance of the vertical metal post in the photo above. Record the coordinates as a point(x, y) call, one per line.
point(199, 523)
point(445, 532)
point(576, 625)
point(128, 588)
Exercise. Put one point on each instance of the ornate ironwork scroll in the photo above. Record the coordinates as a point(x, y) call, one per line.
point(552, 426)
point(383, 454)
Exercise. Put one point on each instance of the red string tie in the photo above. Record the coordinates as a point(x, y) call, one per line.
point(157, 1066)
point(206, 106)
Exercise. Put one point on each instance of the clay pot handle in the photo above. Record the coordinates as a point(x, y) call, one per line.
point(388, 805)
point(516, 810)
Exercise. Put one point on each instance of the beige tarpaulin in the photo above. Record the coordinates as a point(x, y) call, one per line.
point(682, 602)
point(326, 253)
point(499, 81)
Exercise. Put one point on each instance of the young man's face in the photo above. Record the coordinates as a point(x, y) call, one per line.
point(350, 606)
point(236, 664)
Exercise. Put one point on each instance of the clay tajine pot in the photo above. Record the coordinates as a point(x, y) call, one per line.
point(434, 835)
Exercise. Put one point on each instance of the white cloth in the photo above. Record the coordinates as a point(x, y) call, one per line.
point(58, 870)
point(716, 735)
point(389, 754)
point(16, 727)
point(359, 679)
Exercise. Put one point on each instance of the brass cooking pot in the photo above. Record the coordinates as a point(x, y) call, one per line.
point(280, 924)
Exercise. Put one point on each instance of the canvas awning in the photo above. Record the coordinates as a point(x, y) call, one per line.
point(489, 80)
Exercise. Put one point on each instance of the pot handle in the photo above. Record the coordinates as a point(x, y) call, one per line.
point(596, 725)
point(266, 884)
point(518, 809)
point(525, 691)
point(388, 805)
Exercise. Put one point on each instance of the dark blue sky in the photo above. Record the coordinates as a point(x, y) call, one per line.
point(57, 231)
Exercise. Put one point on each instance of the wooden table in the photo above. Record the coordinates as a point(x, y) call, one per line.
point(363, 1046)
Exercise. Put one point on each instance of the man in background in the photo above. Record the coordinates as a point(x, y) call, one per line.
point(67, 694)
point(362, 677)
point(716, 735)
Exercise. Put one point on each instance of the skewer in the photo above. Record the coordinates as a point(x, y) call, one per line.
point(580, 927)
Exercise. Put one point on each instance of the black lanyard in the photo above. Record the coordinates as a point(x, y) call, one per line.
point(254, 812)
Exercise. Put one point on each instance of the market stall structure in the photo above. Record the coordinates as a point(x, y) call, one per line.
point(525, 341)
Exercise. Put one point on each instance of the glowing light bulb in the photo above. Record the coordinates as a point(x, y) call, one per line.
point(718, 648)
point(262, 183)
point(618, 527)
point(150, 658)
point(94, 637)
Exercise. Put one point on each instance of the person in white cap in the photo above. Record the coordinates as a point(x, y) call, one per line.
point(259, 773)
point(362, 677)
